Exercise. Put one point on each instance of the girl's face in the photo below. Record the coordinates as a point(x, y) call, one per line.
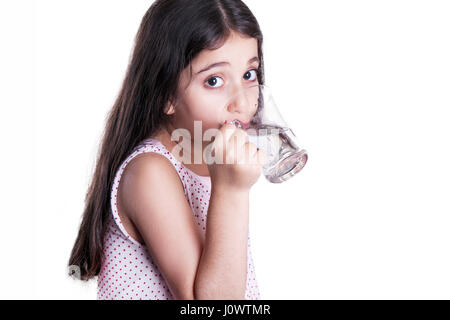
point(217, 75)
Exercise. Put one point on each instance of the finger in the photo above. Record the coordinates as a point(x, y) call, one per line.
point(239, 137)
point(221, 138)
point(251, 153)
point(262, 157)
point(227, 131)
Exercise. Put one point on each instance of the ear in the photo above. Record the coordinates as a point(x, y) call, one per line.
point(170, 109)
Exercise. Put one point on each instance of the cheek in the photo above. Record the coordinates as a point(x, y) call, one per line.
point(207, 107)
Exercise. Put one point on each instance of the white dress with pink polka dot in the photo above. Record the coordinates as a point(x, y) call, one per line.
point(128, 271)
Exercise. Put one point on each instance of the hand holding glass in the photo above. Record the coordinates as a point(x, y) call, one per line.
point(269, 132)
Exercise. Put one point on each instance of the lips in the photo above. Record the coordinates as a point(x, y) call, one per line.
point(245, 125)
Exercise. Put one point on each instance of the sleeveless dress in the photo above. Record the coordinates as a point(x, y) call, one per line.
point(128, 271)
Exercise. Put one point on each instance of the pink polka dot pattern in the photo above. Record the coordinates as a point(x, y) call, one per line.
point(128, 271)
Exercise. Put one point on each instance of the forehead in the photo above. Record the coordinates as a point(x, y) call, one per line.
point(236, 50)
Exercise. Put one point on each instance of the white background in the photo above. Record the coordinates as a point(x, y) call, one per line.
point(364, 85)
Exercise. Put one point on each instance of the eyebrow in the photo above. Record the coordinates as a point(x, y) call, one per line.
point(218, 64)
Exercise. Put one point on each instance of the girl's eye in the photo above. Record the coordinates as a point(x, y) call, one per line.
point(214, 81)
point(249, 73)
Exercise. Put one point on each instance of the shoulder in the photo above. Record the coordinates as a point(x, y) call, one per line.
point(149, 176)
point(150, 167)
point(151, 163)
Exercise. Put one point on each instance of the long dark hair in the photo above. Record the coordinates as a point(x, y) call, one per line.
point(172, 33)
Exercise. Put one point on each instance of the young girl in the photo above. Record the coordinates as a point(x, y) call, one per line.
point(156, 226)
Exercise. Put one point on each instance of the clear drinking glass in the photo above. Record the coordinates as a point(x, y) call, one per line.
point(267, 129)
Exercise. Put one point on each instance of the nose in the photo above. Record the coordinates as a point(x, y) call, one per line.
point(238, 103)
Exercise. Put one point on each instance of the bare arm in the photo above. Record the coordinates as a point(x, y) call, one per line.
point(222, 271)
point(153, 196)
